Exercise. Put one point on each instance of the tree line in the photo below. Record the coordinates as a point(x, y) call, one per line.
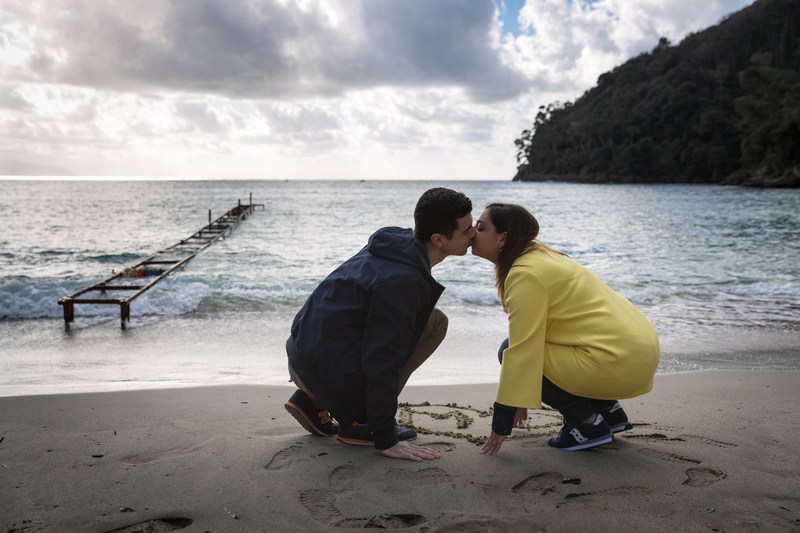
point(723, 107)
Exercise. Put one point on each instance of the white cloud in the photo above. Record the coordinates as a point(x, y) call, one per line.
point(303, 88)
point(263, 49)
point(567, 45)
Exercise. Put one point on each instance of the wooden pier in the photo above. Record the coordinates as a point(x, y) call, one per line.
point(133, 281)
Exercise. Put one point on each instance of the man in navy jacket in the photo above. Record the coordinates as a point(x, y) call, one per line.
point(371, 323)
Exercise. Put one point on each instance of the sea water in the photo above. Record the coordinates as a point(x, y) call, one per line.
point(716, 269)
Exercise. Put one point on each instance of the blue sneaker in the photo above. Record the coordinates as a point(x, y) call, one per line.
point(582, 436)
point(617, 419)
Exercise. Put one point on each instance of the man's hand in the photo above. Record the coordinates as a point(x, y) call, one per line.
point(492, 444)
point(410, 451)
point(520, 417)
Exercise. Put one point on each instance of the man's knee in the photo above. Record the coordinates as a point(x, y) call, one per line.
point(438, 322)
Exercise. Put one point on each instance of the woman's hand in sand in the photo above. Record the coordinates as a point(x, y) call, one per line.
point(520, 417)
point(492, 444)
point(410, 451)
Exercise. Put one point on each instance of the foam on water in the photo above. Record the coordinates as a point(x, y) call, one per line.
point(762, 304)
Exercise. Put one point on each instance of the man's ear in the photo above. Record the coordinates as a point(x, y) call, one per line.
point(437, 240)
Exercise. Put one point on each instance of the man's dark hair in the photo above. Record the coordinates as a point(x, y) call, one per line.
point(437, 211)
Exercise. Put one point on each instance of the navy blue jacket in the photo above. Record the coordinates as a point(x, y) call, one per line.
point(359, 326)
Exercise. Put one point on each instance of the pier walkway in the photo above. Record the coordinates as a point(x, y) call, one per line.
point(122, 288)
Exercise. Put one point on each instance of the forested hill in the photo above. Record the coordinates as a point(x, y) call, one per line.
point(721, 107)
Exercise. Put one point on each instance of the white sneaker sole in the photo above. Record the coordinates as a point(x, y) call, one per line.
point(590, 444)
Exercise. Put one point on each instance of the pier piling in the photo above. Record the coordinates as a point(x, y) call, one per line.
point(155, 268)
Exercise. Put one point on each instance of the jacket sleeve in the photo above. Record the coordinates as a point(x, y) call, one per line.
point(394, 307)
point(503, 418)
point(523, 361)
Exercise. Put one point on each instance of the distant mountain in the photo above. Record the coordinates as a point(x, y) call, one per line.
point(721, 107)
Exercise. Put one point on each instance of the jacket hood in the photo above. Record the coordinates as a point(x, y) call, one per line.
point(400, 245)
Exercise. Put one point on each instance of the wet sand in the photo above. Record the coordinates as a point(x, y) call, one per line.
point(710, 451)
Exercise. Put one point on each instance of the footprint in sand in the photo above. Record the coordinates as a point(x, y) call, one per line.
point(682, 438)
point(158, 525)
point(652, 436)
point(548, 482)
point(616, 491)
point(665, 456)
point(703, 477)
point(543, 483)
point(495, 525)
point(155, 457)
point(321, 503)
point(284, 458)
point(426, 475)
point(492, 490)
point(710, 442)
point(384, 521)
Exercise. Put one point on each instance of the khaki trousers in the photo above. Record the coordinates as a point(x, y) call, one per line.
point(432, 336)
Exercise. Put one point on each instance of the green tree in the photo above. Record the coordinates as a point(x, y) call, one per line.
point(698, 112)
point(769, 118)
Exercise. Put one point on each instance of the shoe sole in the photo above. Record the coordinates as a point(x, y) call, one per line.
point(621, 427)
point(355, 442)
point(297, 412)
point(587, 445)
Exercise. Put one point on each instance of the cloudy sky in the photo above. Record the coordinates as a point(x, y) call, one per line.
point(305, 89)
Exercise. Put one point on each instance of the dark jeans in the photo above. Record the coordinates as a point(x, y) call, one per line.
point(573, 408)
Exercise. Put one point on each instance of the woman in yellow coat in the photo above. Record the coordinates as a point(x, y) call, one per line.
point(573, 343)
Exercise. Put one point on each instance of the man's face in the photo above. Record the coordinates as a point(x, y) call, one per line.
point(462, 237)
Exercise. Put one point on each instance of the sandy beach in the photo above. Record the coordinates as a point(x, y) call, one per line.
point(710, 451)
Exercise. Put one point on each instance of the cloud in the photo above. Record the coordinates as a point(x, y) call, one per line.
point(305, 88)
point(201, 116)
point(10, 98)
point(264, 49)
point(445, 43)
point(566, 45)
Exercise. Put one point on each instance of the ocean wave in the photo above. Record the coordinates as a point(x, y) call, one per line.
point(756, 304)
point(56, 253)
point(29, 298)
point(115, 259)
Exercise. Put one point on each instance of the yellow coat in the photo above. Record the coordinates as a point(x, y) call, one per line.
point(566, 324)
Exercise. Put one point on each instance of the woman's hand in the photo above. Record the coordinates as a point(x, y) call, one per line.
point(521, 417)
point(492, 444)
point(410, 451)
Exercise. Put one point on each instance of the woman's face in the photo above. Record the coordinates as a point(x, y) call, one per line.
point(487, 241)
